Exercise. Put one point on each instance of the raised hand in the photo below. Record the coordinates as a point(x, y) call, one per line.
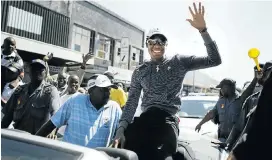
point(197, 20)
point(87, 57)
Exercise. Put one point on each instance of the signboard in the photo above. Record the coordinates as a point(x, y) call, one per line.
point(55, 69)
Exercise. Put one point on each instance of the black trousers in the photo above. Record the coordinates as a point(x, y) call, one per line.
point(153, 136)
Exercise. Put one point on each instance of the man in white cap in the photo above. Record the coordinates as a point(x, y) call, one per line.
point(91, 119)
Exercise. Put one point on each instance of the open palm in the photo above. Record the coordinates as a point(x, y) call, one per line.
point(198, 21)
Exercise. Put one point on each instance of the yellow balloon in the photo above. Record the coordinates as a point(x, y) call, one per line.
point(253, 53)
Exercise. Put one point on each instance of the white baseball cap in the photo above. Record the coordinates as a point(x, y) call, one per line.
point(100, 81)
point(155, 31)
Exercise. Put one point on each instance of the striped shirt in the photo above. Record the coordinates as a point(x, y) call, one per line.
point(87, 126)
point(162, 82)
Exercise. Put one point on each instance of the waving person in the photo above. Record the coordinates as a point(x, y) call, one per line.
point(161, 81)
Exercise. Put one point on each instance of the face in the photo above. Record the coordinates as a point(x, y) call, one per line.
point(37, 72)
point(61, 80)
point(9, 46)
point(73, 84)
point(225, 90)
point(156, 46)
point(99, 96)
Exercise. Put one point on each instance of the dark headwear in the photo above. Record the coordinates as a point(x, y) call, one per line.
point(226, 81)
point(38, 61)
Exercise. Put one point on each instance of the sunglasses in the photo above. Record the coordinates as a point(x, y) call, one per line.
point(153, 42)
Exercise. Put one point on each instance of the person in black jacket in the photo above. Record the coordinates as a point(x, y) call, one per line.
point(254, 142)
point(248, 105)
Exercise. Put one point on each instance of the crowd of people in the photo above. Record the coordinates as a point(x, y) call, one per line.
point(102, 114)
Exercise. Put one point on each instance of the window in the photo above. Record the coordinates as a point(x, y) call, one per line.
point(196, 108)
point(103, 45)
point(134, 57)
point(82, 39)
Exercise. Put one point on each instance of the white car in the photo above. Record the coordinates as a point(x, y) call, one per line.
point(16, 144)
point(193, 109)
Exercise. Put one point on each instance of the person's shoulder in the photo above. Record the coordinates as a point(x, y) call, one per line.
point(78, 99)
point(20, 88)
point(255, 94)
point(142, 66)
point(114, 105)
point(180, 57)
point(80, 96)
point(17, 55)
point(49, 88)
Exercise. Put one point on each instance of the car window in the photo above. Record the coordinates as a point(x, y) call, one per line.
point(195, 108)
point(16, 150)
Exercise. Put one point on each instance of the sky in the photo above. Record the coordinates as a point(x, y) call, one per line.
point(236, 26)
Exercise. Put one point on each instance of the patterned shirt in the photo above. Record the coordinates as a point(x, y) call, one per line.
point(162, 82)
point(87, 126)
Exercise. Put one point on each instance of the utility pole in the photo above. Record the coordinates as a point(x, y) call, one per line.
point(193, 81)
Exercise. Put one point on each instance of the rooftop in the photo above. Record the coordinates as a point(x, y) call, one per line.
point(115, 15)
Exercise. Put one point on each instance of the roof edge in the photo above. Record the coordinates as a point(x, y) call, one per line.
point(115, 15)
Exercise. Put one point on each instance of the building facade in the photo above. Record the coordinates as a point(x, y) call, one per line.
point(70, 28)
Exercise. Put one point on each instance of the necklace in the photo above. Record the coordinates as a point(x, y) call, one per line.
point(157, 68)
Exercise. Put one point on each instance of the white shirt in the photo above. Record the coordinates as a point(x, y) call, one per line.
point(63, 99)
point(7, 63)
point(139, 108)
point(7, 92)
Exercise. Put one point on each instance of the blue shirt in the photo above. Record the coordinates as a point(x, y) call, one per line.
point(87, 126)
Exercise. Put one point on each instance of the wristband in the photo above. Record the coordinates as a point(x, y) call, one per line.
point(203, 30)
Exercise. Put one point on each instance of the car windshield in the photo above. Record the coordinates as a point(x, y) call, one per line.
point(195, 108)
point(12, 149)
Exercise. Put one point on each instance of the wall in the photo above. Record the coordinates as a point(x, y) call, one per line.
point(63, 7)
point(92, 17)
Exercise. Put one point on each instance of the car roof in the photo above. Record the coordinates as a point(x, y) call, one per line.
point(201, 98)
point(49, 143)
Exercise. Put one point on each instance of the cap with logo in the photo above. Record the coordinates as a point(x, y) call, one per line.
point(155, 31)
point(100, 81)
point(38, 61)
point(226, 81)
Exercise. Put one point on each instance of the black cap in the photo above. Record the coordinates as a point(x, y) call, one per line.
point(226, 81)
point(38, 61)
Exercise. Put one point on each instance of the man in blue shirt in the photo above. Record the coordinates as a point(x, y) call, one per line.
point(91, 119)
